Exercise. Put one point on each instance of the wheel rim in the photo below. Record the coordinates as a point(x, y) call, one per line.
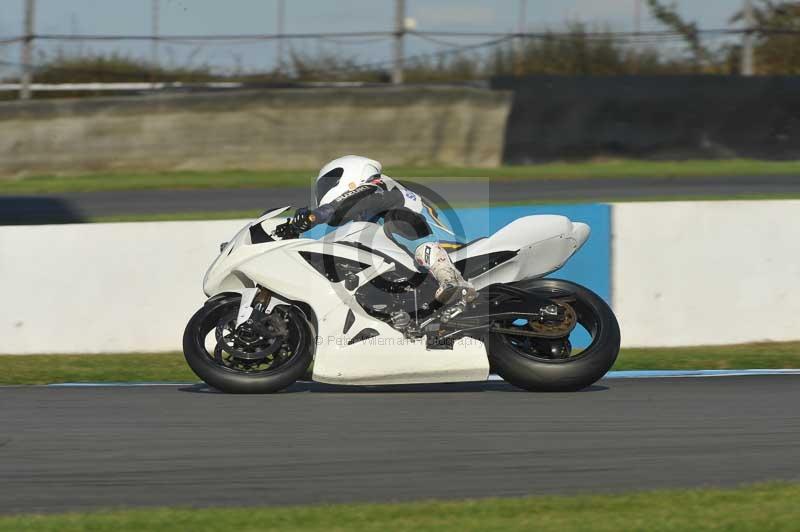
point(555, 350)
point(256, 357)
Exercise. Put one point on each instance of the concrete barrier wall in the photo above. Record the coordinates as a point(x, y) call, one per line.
point(696, 273)
point(94, 288)
point(681, 274)
point(254, 130)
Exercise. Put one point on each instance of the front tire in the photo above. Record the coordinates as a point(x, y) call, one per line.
point(536, 373)
point(227, 377)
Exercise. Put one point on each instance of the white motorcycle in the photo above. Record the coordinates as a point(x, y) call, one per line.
point(352, 308)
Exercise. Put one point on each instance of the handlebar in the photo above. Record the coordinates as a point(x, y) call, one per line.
point(287, 231)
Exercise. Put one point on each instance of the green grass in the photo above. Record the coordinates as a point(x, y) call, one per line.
point(49, 184)
point(179, 216)
point(763, 507)
point(171, 367)
point(767, 355)
point(303, 178)
point(44, 369)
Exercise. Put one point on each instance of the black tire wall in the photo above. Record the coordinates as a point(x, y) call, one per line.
point(658, 117)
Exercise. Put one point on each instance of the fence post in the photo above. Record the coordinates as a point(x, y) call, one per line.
point(279, 26)
point(26, 77)
point(520, 41)
point(399, 33)
point(748, 59)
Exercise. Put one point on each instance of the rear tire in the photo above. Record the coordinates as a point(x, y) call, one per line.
point(561, 375)
point(231, 381)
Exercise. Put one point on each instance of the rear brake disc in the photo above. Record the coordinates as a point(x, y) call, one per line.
point(556, 329)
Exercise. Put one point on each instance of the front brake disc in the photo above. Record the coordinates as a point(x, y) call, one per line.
point(250, 350)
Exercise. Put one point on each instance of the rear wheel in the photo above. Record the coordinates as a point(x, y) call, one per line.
point(549, 364)
point(237, 360)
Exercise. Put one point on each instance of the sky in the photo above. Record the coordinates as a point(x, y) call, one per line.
point(302, 16)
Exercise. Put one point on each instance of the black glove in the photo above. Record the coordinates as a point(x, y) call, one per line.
point(304, 220)
point(286, 230)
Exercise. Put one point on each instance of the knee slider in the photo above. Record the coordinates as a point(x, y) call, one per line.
point(429, 254)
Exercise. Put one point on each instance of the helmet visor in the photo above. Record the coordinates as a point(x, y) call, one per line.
point(327, 182)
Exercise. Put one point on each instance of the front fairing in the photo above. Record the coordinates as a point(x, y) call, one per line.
point(268, 221)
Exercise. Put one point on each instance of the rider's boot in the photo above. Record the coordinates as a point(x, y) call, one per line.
point(453, 288)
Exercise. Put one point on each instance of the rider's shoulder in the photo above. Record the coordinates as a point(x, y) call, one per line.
point(386, 181)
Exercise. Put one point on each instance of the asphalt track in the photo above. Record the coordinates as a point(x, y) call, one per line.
point(80, 448)
point(77, 207)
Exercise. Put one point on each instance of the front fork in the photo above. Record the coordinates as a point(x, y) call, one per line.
point(246, 305)
point(256, 303)
point(255, 315)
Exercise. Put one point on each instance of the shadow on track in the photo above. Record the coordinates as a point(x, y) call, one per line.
point(456, 387)
point(37, 210)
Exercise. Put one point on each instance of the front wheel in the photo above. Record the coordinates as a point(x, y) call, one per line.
point(548, 364)
point(235, 360)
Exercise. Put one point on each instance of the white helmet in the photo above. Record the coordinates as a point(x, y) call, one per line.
point(343, 174)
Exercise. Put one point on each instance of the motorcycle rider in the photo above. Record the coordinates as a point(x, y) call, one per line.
point(353, 188)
